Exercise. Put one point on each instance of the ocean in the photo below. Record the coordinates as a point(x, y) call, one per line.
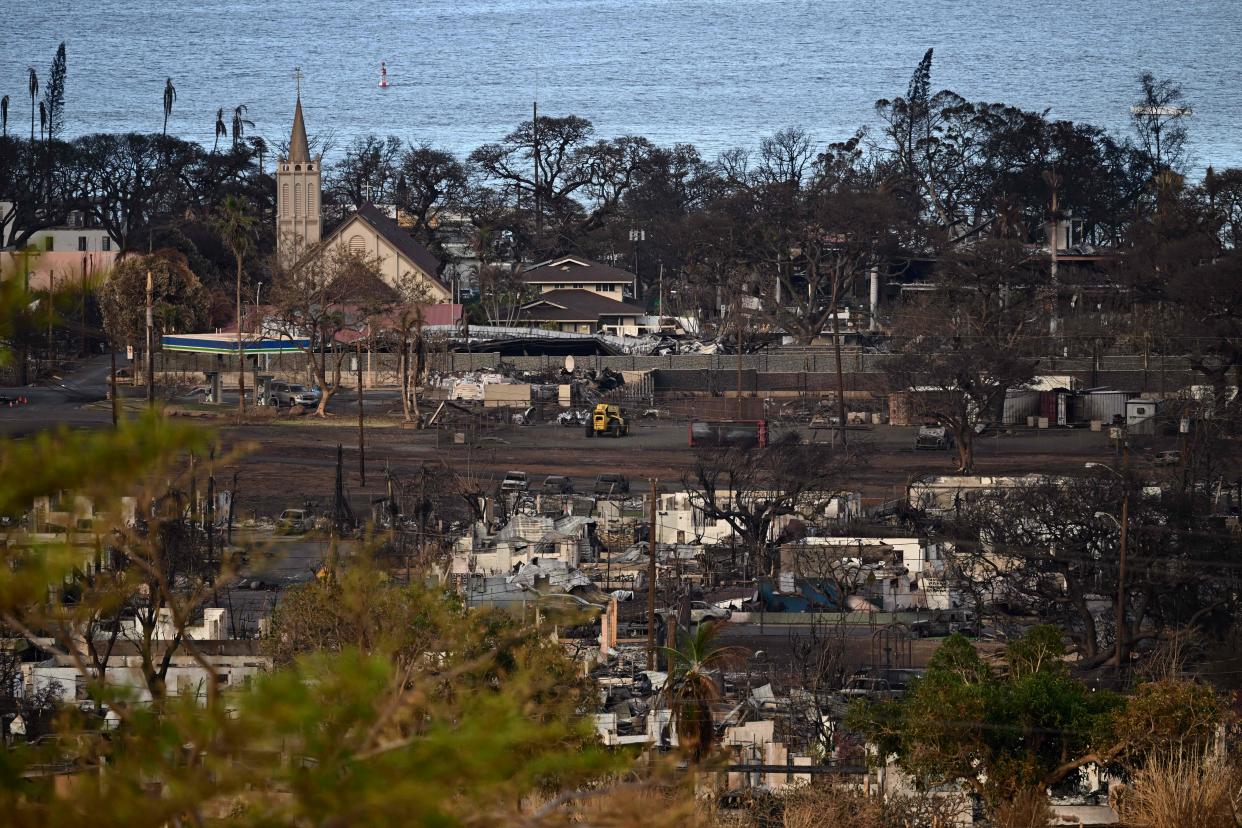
point(715, 73)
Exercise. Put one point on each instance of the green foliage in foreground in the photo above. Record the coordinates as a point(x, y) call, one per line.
point(390, 704)
point(336, 738)
point(1030, 724)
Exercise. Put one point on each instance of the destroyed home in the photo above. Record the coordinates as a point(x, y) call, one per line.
point(761, 599)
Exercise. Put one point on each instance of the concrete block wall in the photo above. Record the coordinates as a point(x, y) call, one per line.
point(775, 371)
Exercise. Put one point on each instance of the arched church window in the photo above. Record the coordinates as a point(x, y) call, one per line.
point(284, 199)
point(297, 197)
point(310, 200)
point(357, 244)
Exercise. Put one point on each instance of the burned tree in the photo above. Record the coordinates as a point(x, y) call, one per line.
point(751, 488)
point(321, 298)
point(1053, 548)
point(970, 341)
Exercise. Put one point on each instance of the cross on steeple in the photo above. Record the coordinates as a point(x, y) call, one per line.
point(297, 76)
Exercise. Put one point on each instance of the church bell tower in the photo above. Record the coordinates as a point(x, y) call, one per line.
point(298, 216)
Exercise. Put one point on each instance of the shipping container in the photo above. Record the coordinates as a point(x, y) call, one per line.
point(1055, 406)
point(1102, 406)
point(1019, 404)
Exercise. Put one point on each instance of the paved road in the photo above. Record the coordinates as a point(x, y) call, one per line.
point(274, 562)
point(61, 401)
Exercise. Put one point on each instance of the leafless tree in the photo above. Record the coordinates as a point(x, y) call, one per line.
point(751, 488)
point(320, 296)
point(969, 341)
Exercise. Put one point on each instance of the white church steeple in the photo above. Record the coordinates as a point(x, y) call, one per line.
point(298, 215)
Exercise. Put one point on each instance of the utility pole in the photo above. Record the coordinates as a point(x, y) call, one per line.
point(651, 579)
point(737, 358)
point(82, 312)
point(661, 293)
point(534, 132)
point(116, 412)
point(362, 449)
point(637, 236)
point(209, 513)
point(1121, 562)
point(1053, 181)
point(51, 343)
point(150, 342)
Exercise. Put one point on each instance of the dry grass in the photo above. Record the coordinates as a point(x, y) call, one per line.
point(834, 806)
point(1027, 809)
point(1182, 790)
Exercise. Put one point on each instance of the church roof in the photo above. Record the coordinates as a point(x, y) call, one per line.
point(405, 244)
point(299, 150)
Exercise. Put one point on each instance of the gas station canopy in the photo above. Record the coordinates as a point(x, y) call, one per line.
point(226, 343)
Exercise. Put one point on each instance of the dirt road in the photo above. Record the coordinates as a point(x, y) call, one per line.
point(288, 463)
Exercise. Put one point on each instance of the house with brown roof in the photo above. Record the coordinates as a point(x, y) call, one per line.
point(577, 295)
point(579, 310)
point(578, 273)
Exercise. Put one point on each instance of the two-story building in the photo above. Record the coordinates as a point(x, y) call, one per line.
point(64, 254)
point(578, 295)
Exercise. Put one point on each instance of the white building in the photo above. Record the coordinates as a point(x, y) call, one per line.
point(682, 519)
point(525, 539)
point(232, 662)
point(64, 254)
point(899, 573)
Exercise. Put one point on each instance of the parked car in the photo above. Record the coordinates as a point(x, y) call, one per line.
point(556, 484)
point(701, 611)
point(293, 522)
point(610, 483)
point(935, 437)
point(286, 393)
point(515, 481)
point(945, 622)
point(1167, 458)
point(867, 687)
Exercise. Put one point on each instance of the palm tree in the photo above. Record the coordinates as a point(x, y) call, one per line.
point(691, 688)
point(236, 224)
point(221, 129)
point(42, 120)
point(240, 123)
point(4, 114)
point(170, 97)
point(32, 83)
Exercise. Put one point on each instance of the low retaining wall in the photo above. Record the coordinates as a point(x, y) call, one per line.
point(772, 373)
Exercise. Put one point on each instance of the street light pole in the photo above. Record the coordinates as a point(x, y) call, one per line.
point(651, 578)
point(150, 342)
point(1123, 527)
point(1121, 562)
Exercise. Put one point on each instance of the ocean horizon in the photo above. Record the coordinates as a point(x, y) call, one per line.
point(712, 73)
